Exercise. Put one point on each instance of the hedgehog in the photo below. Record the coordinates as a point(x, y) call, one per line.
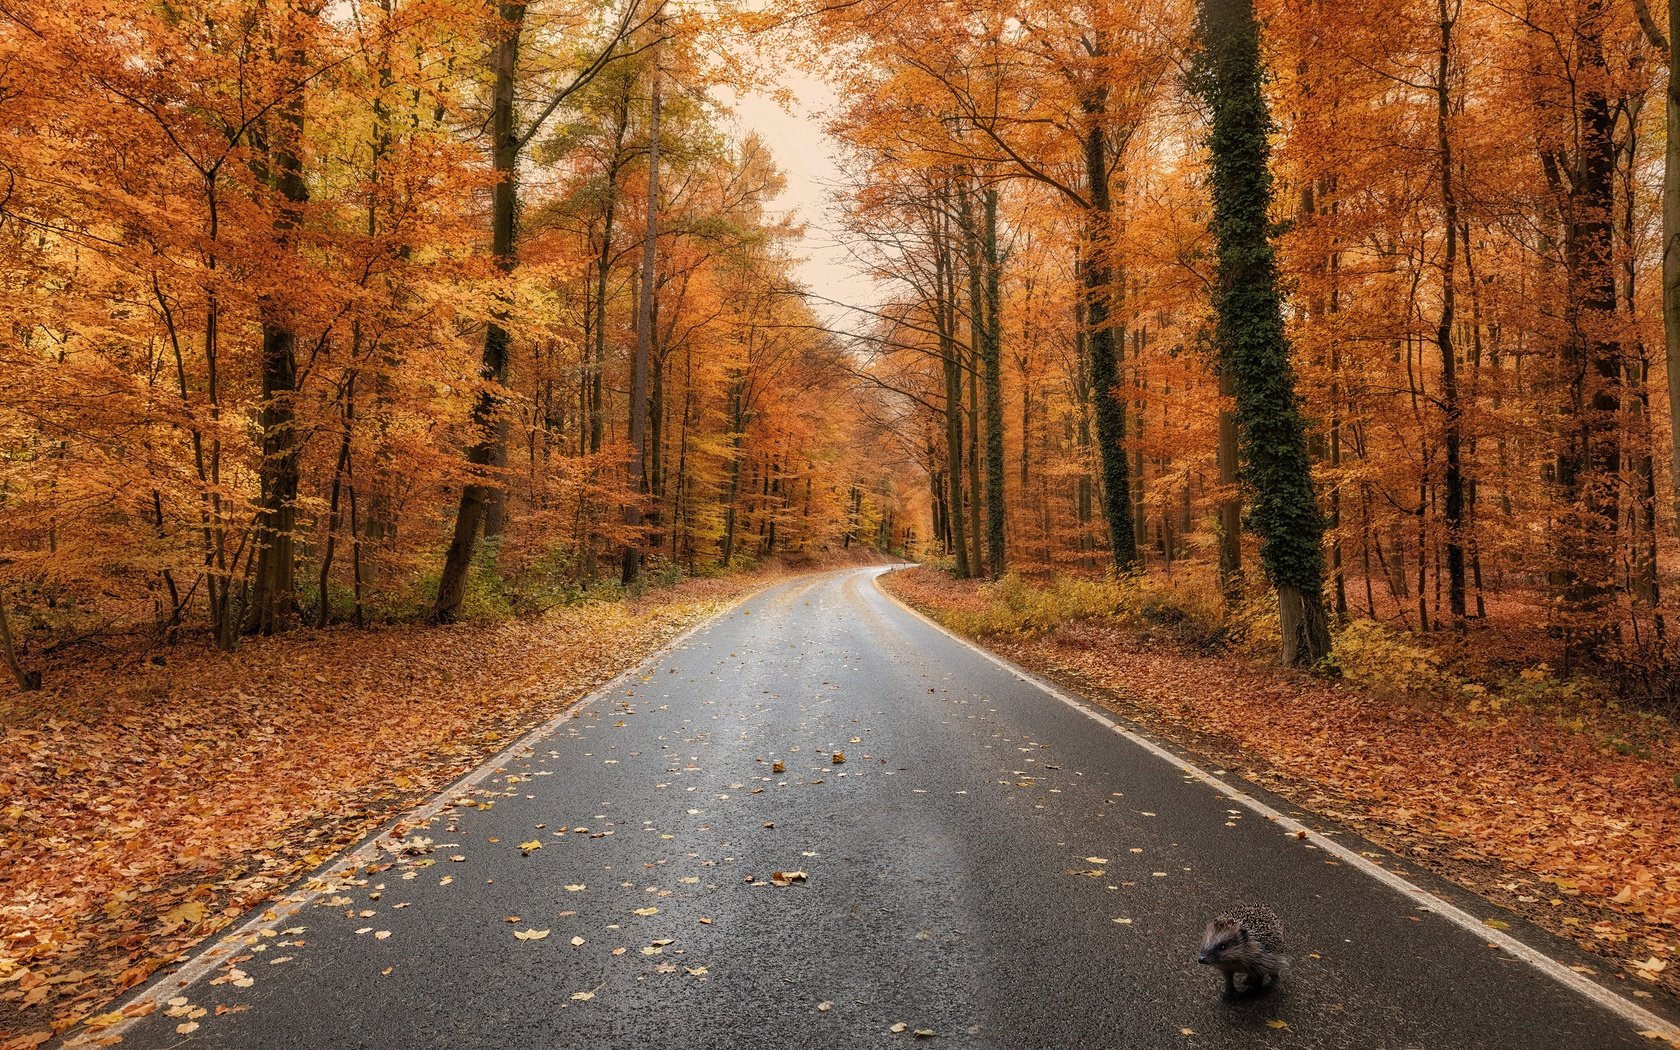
point(1247, 940)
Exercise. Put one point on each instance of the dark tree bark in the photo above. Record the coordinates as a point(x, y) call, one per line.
point(1101, 295)
point(639, 365)
point(274, 600)
point(992, 366)
point(1253, 350)
point(492, 368)
point(1588, 465)
point(1452, 407)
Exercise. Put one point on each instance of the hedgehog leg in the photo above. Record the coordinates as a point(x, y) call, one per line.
point(1230, 983)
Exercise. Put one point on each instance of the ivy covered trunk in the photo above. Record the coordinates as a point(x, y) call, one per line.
point(1253, 351)
point(1100, 291)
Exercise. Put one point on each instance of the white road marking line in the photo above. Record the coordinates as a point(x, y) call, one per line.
point(1631, 1012)
point(208, 958)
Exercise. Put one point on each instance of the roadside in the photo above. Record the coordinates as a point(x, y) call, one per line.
point(1530, 807)
point(148, 806)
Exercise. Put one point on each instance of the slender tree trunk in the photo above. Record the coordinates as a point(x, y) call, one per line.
point(1671, 249)
point(1101, 295)
point(637, 481)
point(951, 363)
point(493, 365)
point(992, 361)
point(341, 472)
point(1452, 407)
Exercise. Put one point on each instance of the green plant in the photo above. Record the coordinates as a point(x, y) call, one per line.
point(1369, 654)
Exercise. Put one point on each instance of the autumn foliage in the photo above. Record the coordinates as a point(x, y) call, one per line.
point(1466, 226)
point(276, 296)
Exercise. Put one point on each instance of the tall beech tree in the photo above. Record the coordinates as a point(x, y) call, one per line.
point(508, 139)
point(1253, 348)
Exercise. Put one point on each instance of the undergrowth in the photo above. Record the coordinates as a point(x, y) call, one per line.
point(1190, 608)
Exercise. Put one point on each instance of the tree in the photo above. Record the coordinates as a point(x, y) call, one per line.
point(1251, 341)
point(508, 141)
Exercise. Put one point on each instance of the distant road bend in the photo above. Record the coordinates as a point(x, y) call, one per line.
point(988, 863)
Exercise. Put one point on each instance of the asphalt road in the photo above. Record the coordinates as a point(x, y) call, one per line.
point(988, 864)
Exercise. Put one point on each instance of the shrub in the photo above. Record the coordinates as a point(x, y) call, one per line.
point(1369, 654)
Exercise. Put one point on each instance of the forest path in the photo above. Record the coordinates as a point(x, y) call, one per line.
point(989, 863)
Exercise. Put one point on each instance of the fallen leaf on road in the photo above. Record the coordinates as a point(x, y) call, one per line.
point(382, 934)
point(582, 997)
point(1277, 1022)
point(787, 878)
point(576, 887)
point(824, 1007)
point(647, 911)
point(529, 846)
point(578, 942)
point(530, 935)
point(901, 1027)
point(186, 1028)
point(778, 766)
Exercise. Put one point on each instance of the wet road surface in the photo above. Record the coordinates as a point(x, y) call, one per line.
point(987, 864)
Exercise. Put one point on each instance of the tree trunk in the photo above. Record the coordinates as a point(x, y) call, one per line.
point(944, 275)
point(1589, 464)
point(992, 360)
point(492, 368)
point(636, 479)
point(274, 601)
point(1671, 250)
point(1100, 295)
point(1451, 406)
point(1252, 347)
point(27, 681)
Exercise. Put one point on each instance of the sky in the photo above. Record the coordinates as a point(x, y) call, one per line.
point(807, 155)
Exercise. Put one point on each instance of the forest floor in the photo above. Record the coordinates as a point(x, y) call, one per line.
point(147, 804)
point(1568, 815)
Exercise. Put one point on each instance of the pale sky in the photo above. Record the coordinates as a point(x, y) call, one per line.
point(806, 155)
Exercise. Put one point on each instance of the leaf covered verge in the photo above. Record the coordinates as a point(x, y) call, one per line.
point(144, 808)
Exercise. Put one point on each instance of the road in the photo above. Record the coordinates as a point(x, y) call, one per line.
point(988, 864)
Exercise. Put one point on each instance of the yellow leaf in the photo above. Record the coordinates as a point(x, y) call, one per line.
point(582, 997)
point(530, 935)
point(533, 844)
point(104, 1020)
point(647, 911)
point(186, 911)
point(1277, 1022)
